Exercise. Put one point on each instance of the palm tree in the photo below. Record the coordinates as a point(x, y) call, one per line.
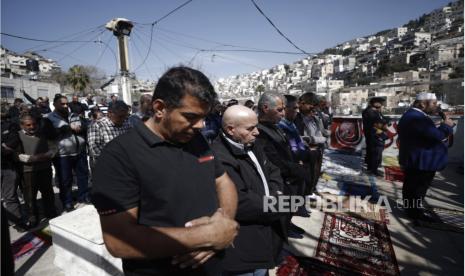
point(78, 78)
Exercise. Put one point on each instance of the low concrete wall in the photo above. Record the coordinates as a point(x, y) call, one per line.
point(78, 245)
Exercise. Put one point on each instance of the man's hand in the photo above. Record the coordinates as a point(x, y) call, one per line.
point(25, 158)
point(449, 122)
point(198, 221)
point(193, 259)
point(223, 230)
point(76, 129)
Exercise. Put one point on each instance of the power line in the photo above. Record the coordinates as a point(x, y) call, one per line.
point(50, 41)
point(151, 52)
point(153, 25)
point(75, 36)
point(246, 48)
point(276, 28)
point(140, 55)
point(107, 46)
point(168, 14)
point(235, 60)
point(253, 51)
point(82, 45)
point(149, 49)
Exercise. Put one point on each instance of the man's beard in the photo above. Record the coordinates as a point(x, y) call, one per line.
point(64, 112)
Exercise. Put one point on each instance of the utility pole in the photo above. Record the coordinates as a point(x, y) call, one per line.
point(121, 28)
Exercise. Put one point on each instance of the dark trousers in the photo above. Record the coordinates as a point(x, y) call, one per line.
point(10, 195)
point(416, 184)
point(315, 170)
point(66, 166)
point(374, 158)
point(367, 149)
point(39, 181)
point(8, 264)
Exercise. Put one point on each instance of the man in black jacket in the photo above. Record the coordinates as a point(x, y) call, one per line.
point(278, 150)
point(371, 114)
point(261, 233)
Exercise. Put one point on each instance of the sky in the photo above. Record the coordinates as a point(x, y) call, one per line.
point(313, 25)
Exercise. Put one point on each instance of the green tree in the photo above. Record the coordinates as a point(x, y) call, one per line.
point(347, 52)
point(78, 78)
point(260, 89)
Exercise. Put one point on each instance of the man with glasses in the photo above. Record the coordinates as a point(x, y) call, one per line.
point(370, 115)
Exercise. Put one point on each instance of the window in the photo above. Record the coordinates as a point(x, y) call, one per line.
point(8, 92)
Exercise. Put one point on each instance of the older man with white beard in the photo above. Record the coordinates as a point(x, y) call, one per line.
point(422, 151)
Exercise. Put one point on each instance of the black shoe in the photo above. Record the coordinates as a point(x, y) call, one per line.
point(302, 212)
point(427, 218)
point(31, 223)
point(68, 208)
point(296, 229)
point(20, 227)
point(294, 235)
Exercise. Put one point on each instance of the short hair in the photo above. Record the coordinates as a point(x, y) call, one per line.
point(25, 117)
point(18, 100)
point(232, 102)
point(289, 99)
point(142, 98)
point(249, 102)
point(268, 98)
point(94, 113)
point(376, 100)
point(118, 107)
point(179, 81)
point(58, 97)
point(309, 97)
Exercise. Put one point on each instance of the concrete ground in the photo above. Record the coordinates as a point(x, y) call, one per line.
point(419, 250)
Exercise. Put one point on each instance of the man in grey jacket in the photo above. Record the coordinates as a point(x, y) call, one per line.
point(71, 131)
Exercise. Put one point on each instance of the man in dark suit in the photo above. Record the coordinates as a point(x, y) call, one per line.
point(261, 234)
point(277, 148)
point(422, 151)
point(369, 115)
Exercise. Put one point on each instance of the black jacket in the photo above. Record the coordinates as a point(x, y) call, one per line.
point(278, 151)
point(261, 234)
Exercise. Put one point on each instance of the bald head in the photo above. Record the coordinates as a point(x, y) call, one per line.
point(240, 124)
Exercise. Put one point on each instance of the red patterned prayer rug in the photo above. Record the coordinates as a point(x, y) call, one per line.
point(358, 245)
point(393, 173)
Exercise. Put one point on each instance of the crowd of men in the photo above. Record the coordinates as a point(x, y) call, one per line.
point(35, 139)
point(180, 184)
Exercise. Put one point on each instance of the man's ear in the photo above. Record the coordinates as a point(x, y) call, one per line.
point(229, 130)
point(265, 108)
point(159, 108)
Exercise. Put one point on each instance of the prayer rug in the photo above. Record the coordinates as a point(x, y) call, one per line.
point(303, 266)
point(358, 245)
point(393, 173)
point(381, 217)
point(31, 242)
